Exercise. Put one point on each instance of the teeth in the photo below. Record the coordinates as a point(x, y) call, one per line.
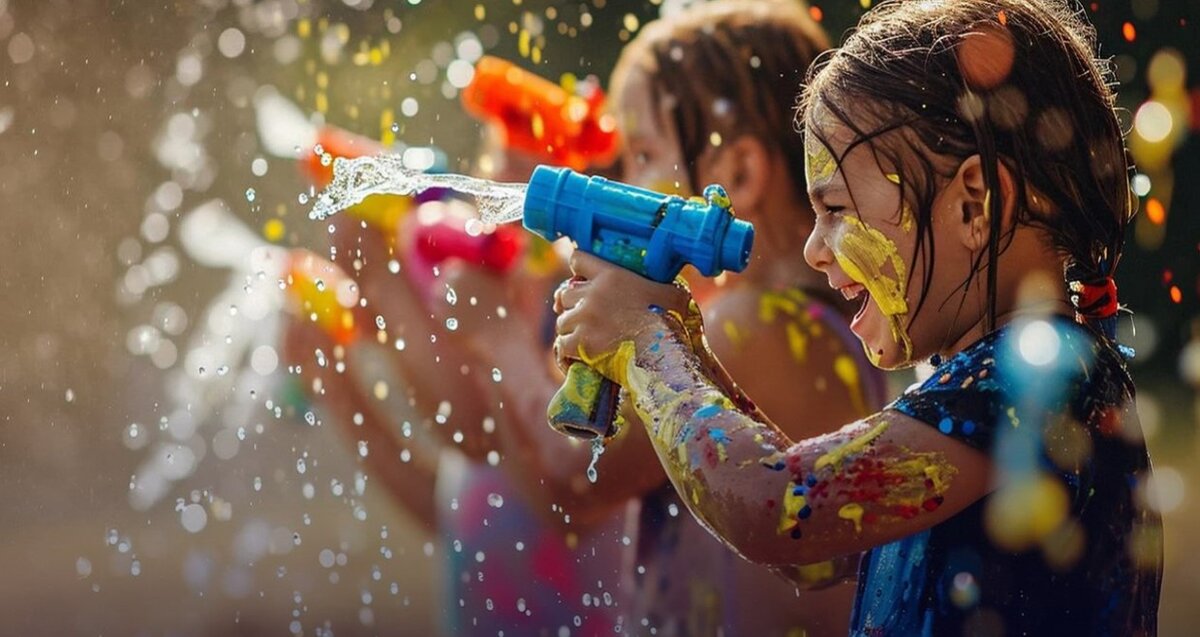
point(851, 292)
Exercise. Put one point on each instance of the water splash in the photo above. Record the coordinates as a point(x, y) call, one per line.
point(356, 179)
point(597, 451)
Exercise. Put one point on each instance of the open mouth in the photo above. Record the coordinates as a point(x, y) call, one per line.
point(856, 291)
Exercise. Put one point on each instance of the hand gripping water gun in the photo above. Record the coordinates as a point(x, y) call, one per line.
point(641, 230)
point(540, 117)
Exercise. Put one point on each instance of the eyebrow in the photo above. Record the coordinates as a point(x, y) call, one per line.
point(822, 189)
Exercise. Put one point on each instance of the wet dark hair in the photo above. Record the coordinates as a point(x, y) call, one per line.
point(929, 83)
point(730, 67)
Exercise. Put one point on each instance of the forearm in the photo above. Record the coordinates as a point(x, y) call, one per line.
point(736, 471)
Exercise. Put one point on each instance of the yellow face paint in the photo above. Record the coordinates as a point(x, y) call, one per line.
point(819, 165)
point(864, 254)
point(907, 219)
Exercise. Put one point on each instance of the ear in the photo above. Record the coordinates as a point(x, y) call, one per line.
point(743, 167)
point(970, 201)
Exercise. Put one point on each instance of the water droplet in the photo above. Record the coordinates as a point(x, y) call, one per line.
point(495, 500)
point(395, 127)
point(222, 370)
point(194, 518)
point(310, 418)
point(451, 323)
point(496, 375)
point(597, 450)
point(302, 198)
point(318, 150)
point(251, 194)
point(301, 466)
point(393, 266)
point(474, 227)
point(380, 323)
point(451, 295)
point(320, 283)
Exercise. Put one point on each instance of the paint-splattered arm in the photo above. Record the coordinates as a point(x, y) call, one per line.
point(782, 503)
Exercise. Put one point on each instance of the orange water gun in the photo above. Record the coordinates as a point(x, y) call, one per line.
point(542, 118)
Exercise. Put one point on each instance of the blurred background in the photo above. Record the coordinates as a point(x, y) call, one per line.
point(145, 489)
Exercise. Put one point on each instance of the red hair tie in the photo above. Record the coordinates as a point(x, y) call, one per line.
point(1095, 299)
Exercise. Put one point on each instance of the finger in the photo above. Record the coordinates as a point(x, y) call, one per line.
point(565, 347)
point(568, 321)
point(569, 294)
point(586, 265)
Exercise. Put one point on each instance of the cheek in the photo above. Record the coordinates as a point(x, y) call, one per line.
point(871, 258)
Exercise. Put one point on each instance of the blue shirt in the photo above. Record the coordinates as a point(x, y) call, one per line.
point(1061, 547)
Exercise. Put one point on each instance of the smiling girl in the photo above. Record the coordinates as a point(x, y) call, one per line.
point(962, 157)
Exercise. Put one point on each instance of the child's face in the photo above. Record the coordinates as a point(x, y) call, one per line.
point(650, 156)
point(865, 245)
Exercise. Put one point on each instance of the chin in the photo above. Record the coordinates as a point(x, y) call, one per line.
point(886, 356)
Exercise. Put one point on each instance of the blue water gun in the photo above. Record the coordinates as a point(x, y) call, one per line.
point(647, 232)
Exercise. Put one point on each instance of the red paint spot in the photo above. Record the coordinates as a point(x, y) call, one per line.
point(1168, 275)
point(1002, 17)
point(816, 13)
point(1129, 32)
point(1176, 294)
point(770, 504)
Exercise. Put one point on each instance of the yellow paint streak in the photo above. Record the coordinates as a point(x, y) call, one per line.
point(853, 512)
point(837, 455)
point(732, 333)
point(819, 165)
point(907, 220)
point(847, 371)
point(866, 254)
point(797, 342)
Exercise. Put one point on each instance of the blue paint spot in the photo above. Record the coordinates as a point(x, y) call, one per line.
point(656, 309)
point(654, 347)
point(796, 533)
point(708, 411)
point(779, 466)
point(946, 426)
point(968, 427)
point(798, 491)
point(718, 435)
point(805, 512)
point(811, 480)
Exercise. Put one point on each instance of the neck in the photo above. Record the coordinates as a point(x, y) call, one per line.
point(1038, 293)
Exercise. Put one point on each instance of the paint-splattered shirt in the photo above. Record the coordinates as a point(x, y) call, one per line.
point(510, 572)
point(1065, 548)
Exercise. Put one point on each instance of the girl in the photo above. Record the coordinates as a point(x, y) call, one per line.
point(698, 97)
point(961, 157)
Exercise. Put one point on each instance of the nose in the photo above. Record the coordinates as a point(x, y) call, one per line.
point(817, 253)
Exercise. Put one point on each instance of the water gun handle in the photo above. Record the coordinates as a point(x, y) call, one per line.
point(585, 406)
point(649, 233)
